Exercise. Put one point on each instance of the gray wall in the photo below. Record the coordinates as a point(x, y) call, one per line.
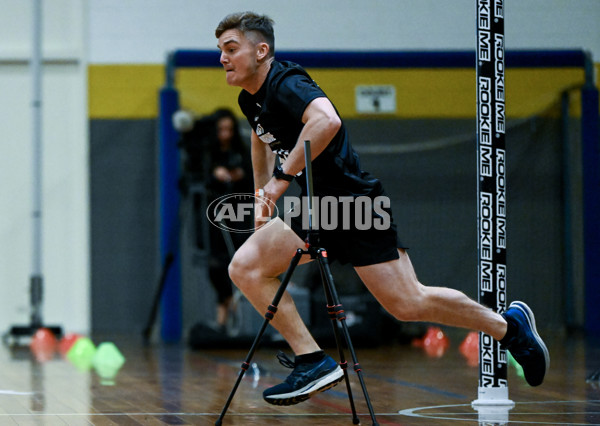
point(434, 202)
point(429, 173)
point(124, 239)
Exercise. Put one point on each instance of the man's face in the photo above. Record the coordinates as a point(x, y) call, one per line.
point(239, 58)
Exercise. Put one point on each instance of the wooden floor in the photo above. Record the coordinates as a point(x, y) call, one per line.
point(173, 385)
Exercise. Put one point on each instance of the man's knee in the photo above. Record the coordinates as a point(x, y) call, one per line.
point(244, 269)
point(238, 267)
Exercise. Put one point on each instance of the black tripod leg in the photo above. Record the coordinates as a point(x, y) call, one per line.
point(336, 332)
point(272, 309)
point(161, 285)
point(341, 317)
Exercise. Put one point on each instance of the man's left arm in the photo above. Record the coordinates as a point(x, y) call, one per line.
point(321, 124)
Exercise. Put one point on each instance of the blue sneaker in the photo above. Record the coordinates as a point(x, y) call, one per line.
point(527, 347)
point(305, 381)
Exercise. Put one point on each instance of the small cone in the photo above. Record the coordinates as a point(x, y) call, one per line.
point(81, 353)
point(435, 342)
point(469, 348)
point(107, 361)
point(514, 363)
point(43, 345)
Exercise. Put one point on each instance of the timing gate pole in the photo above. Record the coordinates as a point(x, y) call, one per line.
point(492, 403)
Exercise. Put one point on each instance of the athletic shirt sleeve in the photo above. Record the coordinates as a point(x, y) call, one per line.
point(275, 111)
point(295, 92)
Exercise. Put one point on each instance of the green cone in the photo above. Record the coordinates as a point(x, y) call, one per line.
point(107, 361)
point(81, 353)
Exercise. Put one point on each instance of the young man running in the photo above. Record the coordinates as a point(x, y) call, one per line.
point(285, 107)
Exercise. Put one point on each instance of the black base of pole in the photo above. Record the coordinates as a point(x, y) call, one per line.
point(18, 332)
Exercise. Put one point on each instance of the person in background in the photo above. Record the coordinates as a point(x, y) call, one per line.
point(230, 172)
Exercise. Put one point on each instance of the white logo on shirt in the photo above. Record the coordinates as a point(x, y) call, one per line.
point(283, 154)
point(265, 137)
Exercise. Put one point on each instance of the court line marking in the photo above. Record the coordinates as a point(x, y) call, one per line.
point(11, 392)
point(272, 414)
point(341, 394)
point(431, 389)
point(412, 412)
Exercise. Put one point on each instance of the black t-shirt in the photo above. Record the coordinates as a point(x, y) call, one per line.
point(275, 113)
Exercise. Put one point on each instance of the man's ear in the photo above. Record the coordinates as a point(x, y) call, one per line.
point(262, 51)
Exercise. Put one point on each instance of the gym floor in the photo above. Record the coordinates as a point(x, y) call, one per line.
point(174, 385)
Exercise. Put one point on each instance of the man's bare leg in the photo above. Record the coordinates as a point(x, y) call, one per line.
point(395, 285)
point(397, 288)
point(254, 270)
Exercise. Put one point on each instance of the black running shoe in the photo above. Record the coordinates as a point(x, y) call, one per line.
point(305, 381)
point(527, 347)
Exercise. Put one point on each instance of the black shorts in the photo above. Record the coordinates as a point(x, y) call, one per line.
point(359, 248)
point(354, 246)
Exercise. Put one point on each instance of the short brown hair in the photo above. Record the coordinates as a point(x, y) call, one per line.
point(249, 22)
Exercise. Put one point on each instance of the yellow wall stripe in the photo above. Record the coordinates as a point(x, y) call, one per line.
point(124, 91)
point(131, 91)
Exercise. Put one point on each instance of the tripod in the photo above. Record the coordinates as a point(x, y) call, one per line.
point(334, 307)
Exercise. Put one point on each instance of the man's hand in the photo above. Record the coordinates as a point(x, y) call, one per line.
point(263, 208)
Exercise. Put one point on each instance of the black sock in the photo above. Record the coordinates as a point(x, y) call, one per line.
point(511, 332)
point(310, 358)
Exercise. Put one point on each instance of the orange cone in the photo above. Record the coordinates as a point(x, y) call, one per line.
point(469, 348)
point(435, 342)
point(43, 344)
point(66, 342)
